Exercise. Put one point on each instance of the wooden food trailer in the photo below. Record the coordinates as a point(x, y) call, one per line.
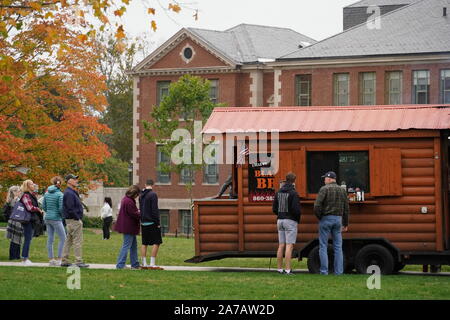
point(397, 155)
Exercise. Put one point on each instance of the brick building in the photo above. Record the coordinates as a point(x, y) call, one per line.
point(403, 58)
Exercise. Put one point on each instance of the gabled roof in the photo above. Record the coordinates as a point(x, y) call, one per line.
point(367, 3)
point(417, 28)
point(239, 45)
point(246, 43)
point(328, 119)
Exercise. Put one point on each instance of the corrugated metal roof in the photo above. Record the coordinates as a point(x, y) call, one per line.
point(329, 119)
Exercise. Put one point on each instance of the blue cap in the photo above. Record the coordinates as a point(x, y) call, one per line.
point(330, 174)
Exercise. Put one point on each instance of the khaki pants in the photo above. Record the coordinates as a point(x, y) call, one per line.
point(75, 239)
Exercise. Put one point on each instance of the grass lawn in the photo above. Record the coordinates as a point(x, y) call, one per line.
point(50, 283)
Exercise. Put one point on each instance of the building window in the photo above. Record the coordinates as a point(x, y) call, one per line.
point(211, 174)
point(445, 86)
point(185, 221)
point(367, 88)
point(341, 89)
point(164, 220)
point(350, 167)
point(421, 87)
point(214, 91)
point(303, 90)
point(162, 90)
point(162, 177)
point(394, 87)
point(186, 176)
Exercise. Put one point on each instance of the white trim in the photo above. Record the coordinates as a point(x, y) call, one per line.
point(277, 87)
point(136, 120)
point(256, 88)
point(176, 71)
point(186, 60)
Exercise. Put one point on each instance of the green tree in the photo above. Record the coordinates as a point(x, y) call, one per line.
point(188, 99)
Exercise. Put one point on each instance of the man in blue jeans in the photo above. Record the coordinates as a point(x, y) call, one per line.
point(332, 209)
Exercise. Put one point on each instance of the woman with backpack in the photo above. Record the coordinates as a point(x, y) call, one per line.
point(14, 229)
point(30, 202)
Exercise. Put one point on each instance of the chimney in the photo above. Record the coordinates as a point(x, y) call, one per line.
point(444, 11)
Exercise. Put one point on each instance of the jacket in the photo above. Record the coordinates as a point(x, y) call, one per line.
point(148, 203)
point(286, 204)
point(106, 211)
point(332, 200)
point(53, 203)
point(128, 218)
point(72, 207)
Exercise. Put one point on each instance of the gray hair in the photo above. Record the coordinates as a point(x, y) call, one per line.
point(10, 195)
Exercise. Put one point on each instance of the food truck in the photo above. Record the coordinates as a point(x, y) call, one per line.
point(392, 160)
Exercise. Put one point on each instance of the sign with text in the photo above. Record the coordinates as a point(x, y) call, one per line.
point(260, 182)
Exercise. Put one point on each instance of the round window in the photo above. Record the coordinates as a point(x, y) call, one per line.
point(187, 53)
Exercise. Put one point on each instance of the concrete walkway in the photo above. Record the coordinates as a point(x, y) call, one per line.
point(210, 269)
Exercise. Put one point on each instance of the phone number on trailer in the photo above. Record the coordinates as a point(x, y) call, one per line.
point(263, 198)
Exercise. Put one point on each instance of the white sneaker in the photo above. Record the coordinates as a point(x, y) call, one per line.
point(27, 262)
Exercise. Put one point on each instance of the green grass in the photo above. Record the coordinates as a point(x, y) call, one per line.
point(50, 283)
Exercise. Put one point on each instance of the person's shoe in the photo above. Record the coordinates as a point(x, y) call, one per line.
point(27, 262)
point(281, 271)
point(65, 264)
point(52, 263)
point(289, 273)
point(82, 265)
point(136, 268)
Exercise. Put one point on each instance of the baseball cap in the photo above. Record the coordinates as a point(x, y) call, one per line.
point(329, 174)
point(71, 176)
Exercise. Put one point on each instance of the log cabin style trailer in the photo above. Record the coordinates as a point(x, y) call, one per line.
point(397, 155)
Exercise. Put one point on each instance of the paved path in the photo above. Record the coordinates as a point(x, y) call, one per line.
point(211, 269)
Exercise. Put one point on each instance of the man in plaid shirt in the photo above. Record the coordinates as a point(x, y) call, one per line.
point(332, 209)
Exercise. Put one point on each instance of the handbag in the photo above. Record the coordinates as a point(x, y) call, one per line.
point(20, 213)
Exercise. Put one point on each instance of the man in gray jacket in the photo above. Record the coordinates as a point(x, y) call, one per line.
point(332, 209)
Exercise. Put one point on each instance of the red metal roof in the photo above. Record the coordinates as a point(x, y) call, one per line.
point(329, 119)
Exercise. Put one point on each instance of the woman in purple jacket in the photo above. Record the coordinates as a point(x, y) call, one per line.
point(128, 223)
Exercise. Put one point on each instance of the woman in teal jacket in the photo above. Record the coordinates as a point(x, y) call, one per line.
point(53, 207)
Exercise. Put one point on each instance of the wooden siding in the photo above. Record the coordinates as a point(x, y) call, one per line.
point(393, 213)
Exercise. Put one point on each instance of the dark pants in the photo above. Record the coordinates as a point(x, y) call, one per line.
point(28, 236)
point(14, 251)
point(106, 226)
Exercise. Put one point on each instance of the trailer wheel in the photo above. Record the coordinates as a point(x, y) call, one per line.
point(374, 254)
point(399, 266)
point(314, 261)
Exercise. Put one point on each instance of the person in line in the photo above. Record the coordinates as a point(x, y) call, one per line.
point(128, 224)
point(31, 204)
point(39, 225)
point(332, 209)
point(107, 217)
point(286, 206)
point(150, 224)
point(14, 230)
point(73, 215)
point(53, 207)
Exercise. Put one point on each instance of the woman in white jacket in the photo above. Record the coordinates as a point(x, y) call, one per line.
point(106, 214)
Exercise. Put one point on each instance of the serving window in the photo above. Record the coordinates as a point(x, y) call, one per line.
point(351, 167)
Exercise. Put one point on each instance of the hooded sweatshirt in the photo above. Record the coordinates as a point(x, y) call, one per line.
point(149, 207)
point(286, 204)
point(53, 203)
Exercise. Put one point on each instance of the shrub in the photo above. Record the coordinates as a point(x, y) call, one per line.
point(92, 222)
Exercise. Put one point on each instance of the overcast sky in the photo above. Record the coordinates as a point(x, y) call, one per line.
point(317, 19)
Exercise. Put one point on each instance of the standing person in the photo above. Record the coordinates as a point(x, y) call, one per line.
point(128, 224)
point(53, 207)
point(150, 224)
point(14, 229)
point(31, 203)
point(332, 209)
point(107, 217)
point(286, 206)
point(73, 214)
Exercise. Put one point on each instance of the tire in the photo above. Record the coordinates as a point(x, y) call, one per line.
point(314, 261)
point(374, 254)
point(399, 266)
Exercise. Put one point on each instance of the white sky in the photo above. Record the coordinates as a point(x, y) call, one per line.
point(317, 19)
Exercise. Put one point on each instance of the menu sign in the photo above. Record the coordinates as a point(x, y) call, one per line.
point(260, 182)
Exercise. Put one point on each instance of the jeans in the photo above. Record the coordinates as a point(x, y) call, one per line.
point(129, 244)
point(52, 226)
point(106, 225)
point(28, 236)
point(331, 224)
point(14, 251)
